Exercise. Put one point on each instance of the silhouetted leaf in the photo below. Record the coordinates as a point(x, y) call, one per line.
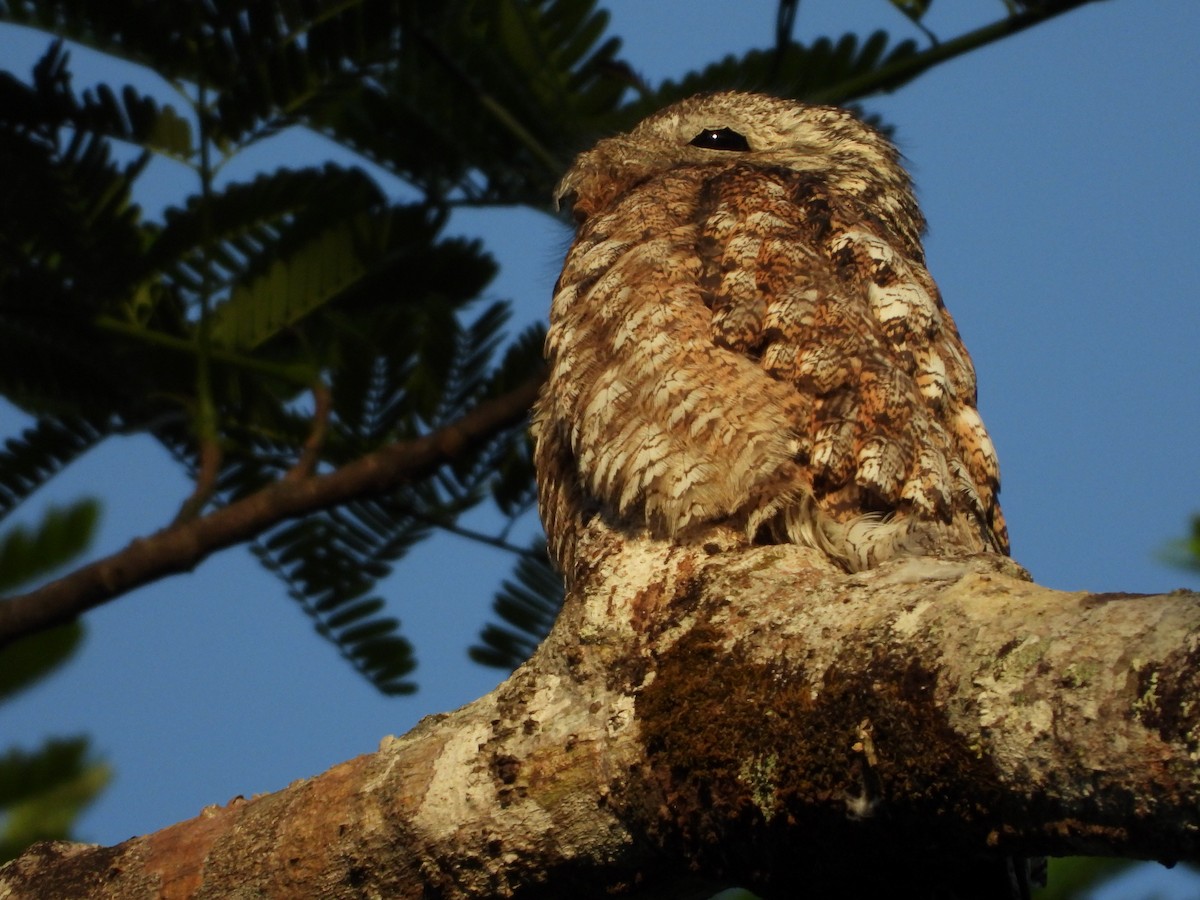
point(527, 606)
point(40, 452)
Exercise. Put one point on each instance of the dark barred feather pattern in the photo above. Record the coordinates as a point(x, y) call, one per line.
point(750, 337)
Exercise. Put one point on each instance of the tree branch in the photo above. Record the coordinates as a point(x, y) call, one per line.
point(310, 453)
point(890, 77)
point(183, 545)
point(707, 716)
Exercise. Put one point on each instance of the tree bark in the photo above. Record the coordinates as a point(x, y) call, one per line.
point(703, 716)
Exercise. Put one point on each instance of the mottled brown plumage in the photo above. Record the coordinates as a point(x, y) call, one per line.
point(744, 333)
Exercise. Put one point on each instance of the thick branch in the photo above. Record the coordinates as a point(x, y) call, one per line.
point(705, 716)
point(180, 547)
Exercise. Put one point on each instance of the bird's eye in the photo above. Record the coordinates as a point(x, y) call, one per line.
point(720, 139)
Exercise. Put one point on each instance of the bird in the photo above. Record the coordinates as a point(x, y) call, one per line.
point(745, 336)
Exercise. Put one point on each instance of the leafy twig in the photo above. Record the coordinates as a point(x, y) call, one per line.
point(904, 70)
point(310, 454)
point(182, 546)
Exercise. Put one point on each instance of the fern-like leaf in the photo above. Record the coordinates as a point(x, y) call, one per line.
point(314, 274)
point(330, 563)
point(527, 606)
point(25, 662)
point(823, 70)
point(129, 115)
point(62, 534)
point(70, 242)
point(40, 452)
point(242, 220)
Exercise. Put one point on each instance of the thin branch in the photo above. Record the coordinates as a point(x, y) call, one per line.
point(513, 518)
point(785, 21)
point(181, 547)
point(479, 537)
point(206, 426)
point(902, 71)
point(311, 452)
point(295, 373)
point(497, 110)
point(914, 18)
point(210, 457)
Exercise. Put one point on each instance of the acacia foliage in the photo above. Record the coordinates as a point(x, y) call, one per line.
point(291, 323)
point(296, 321)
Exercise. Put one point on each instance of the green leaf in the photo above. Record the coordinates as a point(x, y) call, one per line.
point(290, 290)
point(377, 261)
point(27, 661)
point(25, 774)
point(495, 92)
point(1071, 877)
point(42, 792)
point(244, 219)
point(27, 553)
point(1185, 554)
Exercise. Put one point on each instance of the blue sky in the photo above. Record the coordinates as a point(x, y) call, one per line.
point(1058, 170)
